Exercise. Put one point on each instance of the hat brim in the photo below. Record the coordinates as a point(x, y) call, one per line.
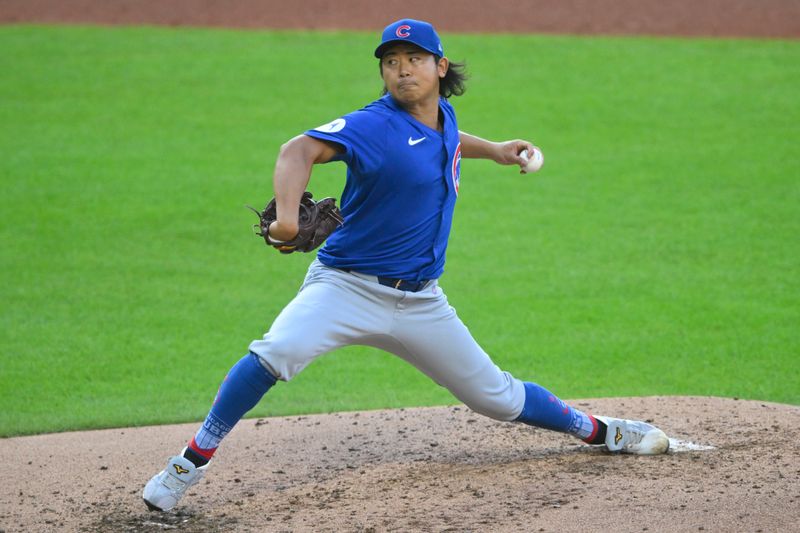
point(383, 46)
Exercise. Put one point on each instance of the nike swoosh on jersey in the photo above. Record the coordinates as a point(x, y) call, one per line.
point(412, 142)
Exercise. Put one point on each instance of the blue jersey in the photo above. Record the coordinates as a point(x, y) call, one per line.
point(401, 189)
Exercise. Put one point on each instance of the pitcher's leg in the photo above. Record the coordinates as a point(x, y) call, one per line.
point(243, 387)
point(326, 313)
point(544, 409)
point(331, 310)
point(442, 347)
point(438, 343)
point(449, 355)
point(306, 328)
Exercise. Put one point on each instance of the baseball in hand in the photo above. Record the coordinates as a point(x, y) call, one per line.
point(533, 163)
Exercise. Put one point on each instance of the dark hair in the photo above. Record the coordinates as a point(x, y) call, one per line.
point(453, 83)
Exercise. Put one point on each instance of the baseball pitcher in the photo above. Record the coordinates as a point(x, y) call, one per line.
point(374, 282)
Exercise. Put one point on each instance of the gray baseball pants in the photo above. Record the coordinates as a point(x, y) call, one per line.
point(335, 308)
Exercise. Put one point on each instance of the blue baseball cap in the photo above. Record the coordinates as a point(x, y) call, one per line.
point(411, 31)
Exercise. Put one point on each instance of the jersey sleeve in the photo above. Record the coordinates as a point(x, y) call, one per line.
point(361, 134)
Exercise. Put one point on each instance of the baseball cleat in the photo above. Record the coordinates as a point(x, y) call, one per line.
point(166, 488)
point(633, 436)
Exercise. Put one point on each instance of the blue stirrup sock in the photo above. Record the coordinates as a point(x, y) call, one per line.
point(543, 409)
point(243, 387)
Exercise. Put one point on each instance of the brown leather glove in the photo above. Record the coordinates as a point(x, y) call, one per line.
point(316, 221)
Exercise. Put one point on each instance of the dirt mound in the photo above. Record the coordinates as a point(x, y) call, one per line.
point(762, 18)
point(428, 469)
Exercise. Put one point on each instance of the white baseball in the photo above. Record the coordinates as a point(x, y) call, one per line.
point(533, 163)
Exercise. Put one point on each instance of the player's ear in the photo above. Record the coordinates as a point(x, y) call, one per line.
point(442, 66)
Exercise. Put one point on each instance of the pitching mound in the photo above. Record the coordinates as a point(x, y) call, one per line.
point(735, 467)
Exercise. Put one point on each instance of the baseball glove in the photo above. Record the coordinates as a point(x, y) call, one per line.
point(316, 221)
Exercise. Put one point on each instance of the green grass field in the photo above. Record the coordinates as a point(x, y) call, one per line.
point(656, 253)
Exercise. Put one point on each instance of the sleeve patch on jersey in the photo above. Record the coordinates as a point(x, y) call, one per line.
point(333, 126)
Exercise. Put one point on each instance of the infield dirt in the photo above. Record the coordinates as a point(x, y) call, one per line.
point(751, 18)
point(423, 469)
point(430, 469)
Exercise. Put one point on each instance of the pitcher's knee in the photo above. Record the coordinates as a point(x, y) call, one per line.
point(503, 402)
point(284, 355)
point(493, 408)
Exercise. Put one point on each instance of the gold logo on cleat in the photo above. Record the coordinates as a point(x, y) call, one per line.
point(618, 436)
point(180, 470)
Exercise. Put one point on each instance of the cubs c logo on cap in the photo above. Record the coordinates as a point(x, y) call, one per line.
point(417, 32)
